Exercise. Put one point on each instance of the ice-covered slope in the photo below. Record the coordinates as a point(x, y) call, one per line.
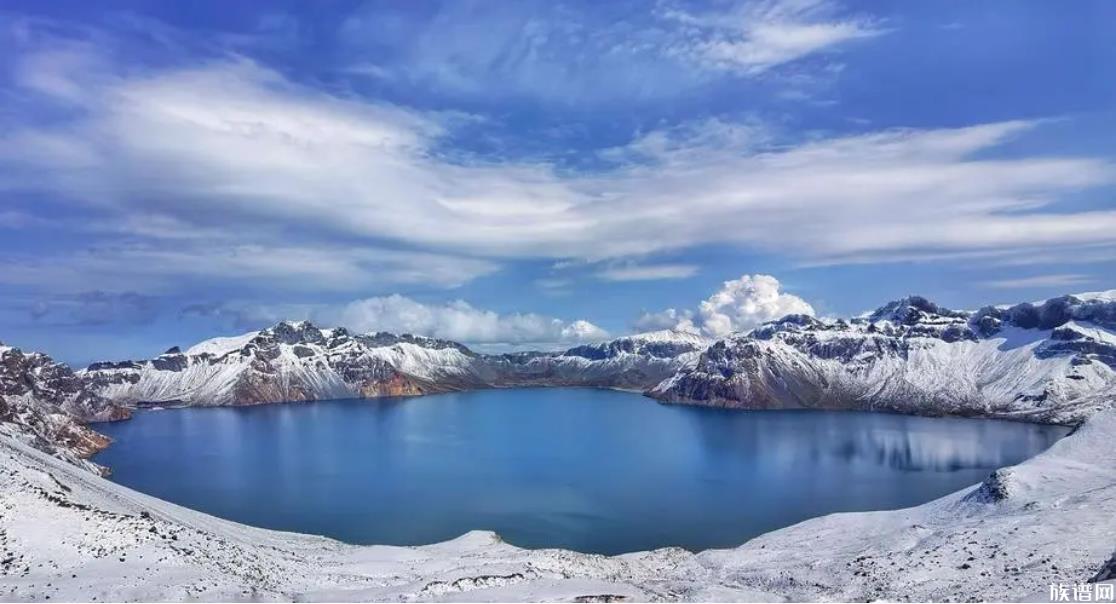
point(68, 535)
point(43, 403)
point(1050, 362)
point(296, 361)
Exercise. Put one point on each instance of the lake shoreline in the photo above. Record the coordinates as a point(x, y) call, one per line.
point(864, 556)
point(500, 427)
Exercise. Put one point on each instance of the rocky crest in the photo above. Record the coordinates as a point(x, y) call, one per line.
point(1049, 362)
point(290, 361)
point(45, 404)
point(297, 361)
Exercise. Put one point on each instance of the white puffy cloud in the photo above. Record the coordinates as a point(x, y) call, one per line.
point(739, 305)
point(463, 322)
point(582, 331)
point(671, 318)
point(746, 302)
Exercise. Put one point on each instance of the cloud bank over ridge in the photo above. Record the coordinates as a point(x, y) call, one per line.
point(739, 305)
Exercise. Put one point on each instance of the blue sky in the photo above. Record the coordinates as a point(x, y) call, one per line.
point(536, 174)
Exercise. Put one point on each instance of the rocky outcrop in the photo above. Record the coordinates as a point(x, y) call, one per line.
point(996, 488)
point(1048, 362)
point(48, 406)
point(1108, 572)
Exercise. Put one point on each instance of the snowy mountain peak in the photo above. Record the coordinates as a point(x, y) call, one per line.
point(385, 338)
point(798, 322)
point(1049, 314)
point(1101, 296)
point(667, 343)
point(292, 332)
point(222, 345)
point(668, 335)
point(912, 310)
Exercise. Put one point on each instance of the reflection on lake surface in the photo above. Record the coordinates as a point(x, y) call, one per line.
point(592, 470)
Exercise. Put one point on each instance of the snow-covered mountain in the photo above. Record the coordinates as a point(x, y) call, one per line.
point(46, 405)
point(635, 362)
point(1053, 361)
point(297, 361)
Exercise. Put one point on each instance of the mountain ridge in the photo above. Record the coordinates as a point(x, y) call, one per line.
point(296, 360)
point(1049, 361)
point(1054, 361)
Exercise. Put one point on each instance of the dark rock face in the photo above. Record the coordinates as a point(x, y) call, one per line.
point(36, 376)
point(114, 365)
point(170, 362)
point(1107, 572)
point(291, 333)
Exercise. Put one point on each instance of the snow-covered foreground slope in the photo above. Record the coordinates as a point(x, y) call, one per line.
point(1050, 362)
point(66, 534)
point(297, 361)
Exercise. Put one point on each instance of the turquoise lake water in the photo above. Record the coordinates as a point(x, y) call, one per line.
point(591, 470)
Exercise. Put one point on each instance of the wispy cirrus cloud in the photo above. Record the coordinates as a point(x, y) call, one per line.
point(178, 266)
point(646, 272)
point(241, 158)
point(556, 53)
point(753, 37)
point(242, 140)
point(94, 308)
point(1061, 280)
